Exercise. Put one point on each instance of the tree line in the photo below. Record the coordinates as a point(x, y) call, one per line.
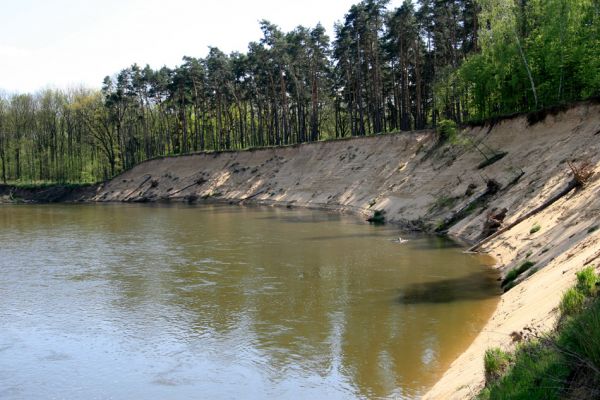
point(385, 70)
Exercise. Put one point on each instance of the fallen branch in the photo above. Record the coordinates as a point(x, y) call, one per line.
point(592, 258)
point(126, 198)
point(254, 195)
point(199, 181)
point(572, 185)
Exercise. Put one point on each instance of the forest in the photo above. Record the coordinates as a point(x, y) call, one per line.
point(383, 70)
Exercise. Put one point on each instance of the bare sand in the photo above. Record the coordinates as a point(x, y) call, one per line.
point(419, 184)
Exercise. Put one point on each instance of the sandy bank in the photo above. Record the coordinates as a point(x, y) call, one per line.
point(420, 184)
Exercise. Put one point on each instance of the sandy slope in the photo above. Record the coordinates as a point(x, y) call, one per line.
point(419, 185)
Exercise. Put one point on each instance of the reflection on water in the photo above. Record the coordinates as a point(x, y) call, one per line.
point(150, 301)
point(478, 285)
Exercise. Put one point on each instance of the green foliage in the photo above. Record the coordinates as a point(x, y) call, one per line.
point(572, 302)
point(539, 49)
point(515, 272)
point(538, 372)
point(495, 362)
point(592, 229)
point(535, 228)
point(446, 130)
point(544, 369)
point(581, 335)
point(510, 276)
point(588, 281)
point(422, 64)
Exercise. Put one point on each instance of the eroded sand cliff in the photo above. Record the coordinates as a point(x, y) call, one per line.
point(420, 184)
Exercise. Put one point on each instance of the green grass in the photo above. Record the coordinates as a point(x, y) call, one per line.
point(588, 281)
point(495, 362)
point(581, 336)
point(538, 372)
point(515, 272)
point(535, 228)
point(554, 367)
point(572, 302)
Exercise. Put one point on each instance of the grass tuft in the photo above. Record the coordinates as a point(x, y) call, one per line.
point(588, 281)
point(535, 228)
point(495, 362)
point(572, 302)
point(581, 337)
point(515, 272)
point(565, 364)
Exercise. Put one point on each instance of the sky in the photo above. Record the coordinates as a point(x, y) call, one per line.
point(70, 43)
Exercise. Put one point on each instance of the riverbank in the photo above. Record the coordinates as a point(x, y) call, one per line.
point(413, 181)
point(46, 193)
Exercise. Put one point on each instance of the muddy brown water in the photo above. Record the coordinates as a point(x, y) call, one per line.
point(173, 301)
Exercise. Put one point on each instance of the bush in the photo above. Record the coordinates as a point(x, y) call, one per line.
point(446, 130)
point(588, 281)
point(572, 302)
point(534, 229)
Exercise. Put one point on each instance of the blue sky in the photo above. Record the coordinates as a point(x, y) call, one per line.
point(66, 43)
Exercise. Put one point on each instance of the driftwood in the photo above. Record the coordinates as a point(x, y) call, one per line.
point(253, 195)
point(494, 221)
point(198, 181)
point(126, 198)
point(592, 258)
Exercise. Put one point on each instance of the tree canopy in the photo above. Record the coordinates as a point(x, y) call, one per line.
point(384, 70)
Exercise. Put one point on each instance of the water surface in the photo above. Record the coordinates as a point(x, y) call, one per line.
point(155, 301)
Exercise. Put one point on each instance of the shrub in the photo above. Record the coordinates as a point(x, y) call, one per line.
point(588, 281)
point(446, 130)
point(572, 302)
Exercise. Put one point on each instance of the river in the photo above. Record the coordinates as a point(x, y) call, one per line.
point(129, 301)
